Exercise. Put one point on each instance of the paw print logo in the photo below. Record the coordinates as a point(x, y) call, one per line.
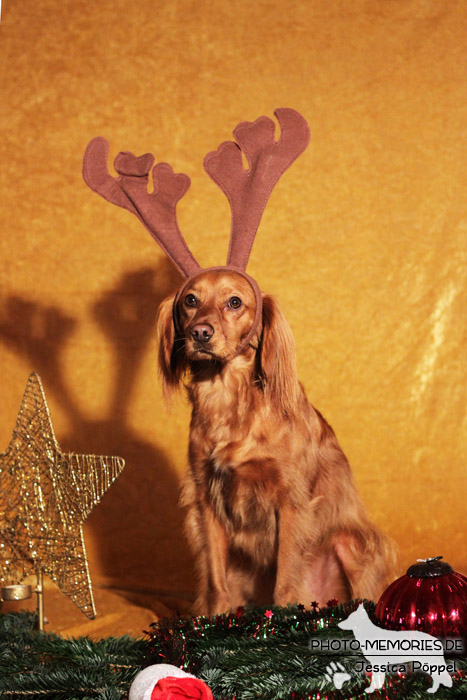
point(338, 673)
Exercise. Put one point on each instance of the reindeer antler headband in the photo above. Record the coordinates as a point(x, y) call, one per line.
point(247, 190)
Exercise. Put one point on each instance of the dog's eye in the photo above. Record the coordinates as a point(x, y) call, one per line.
point(234, 303)
point(191, 300)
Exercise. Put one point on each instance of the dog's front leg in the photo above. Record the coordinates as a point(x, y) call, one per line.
point(208, 541)
point(215, 554)
point(288, 564)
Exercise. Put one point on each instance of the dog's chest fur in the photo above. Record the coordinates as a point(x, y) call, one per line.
point(240, 500)
point(244, 503)
point(232, 465)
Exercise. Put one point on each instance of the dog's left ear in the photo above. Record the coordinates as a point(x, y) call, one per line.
point(277, 358)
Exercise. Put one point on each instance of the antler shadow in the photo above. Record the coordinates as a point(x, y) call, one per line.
point(137, 528)
point(39, 333)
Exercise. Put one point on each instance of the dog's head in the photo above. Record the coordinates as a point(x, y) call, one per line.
point(218, 316)
point(215, 313)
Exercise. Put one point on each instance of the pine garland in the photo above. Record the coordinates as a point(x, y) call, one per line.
point(47, 666)
point(265, 654)
point(256, 653)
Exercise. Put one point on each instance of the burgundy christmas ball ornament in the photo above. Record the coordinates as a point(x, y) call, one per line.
point(431, 598)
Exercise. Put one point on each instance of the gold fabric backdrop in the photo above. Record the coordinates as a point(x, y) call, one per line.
point(363, 242)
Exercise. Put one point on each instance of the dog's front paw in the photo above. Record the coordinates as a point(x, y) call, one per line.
point(219, 605)
point(283, 596)
point(339, 674)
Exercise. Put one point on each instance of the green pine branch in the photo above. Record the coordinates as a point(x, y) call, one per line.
point(46, 665)
point(250, 655)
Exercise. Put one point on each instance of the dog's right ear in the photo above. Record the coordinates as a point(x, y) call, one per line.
point(172, 360)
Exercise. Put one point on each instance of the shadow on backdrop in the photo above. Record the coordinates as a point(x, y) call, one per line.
point(136, 530)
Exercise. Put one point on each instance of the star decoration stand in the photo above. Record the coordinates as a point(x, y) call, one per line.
point(45, 497)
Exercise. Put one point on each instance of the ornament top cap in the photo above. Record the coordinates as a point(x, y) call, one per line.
point(429, 568)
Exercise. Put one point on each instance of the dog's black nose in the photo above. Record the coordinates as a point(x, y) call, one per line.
point(202, 332)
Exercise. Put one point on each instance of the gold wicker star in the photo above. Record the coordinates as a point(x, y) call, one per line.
point(45, 496)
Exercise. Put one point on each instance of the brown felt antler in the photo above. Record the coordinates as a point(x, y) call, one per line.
point(248, 190)
point(156, 211)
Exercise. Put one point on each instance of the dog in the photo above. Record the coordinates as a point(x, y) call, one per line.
point(423, 651)
point(273, 515)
